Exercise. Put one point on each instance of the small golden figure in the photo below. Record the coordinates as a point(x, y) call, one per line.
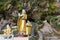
point(28, 27)
point(7, 30)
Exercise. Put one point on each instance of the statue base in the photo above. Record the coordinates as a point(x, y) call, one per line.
point(22, 35)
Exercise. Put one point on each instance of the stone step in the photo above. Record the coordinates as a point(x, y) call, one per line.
point(16, 38)
point(21, 38)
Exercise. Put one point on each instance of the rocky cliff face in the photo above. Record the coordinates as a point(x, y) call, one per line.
point(47, 32)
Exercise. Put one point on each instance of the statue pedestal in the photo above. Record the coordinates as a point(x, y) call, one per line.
point(22, 35)
point(21, 38)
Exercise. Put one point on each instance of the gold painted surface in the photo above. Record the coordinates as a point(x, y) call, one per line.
point(28, 28)
point(7, 31)
point(22, 23)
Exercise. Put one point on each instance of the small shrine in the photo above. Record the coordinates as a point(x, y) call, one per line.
point(23, 27)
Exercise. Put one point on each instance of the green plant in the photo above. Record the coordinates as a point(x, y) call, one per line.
point(38, 21)
point(55, 22)
point(32, 38)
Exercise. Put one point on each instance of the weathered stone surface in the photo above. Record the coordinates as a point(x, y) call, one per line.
point(46, 28)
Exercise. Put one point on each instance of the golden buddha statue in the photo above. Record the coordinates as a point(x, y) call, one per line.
point(7, 30)
point(22, 22)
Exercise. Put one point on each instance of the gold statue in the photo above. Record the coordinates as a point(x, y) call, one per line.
point(23, 27)
point(28, 27)
point(22, 22)
point(7, 30)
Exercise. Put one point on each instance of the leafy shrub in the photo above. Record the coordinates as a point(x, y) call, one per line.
point(38, 21)
point(55, 22)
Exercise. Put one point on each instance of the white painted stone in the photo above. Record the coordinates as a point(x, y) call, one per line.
point(21, 38)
